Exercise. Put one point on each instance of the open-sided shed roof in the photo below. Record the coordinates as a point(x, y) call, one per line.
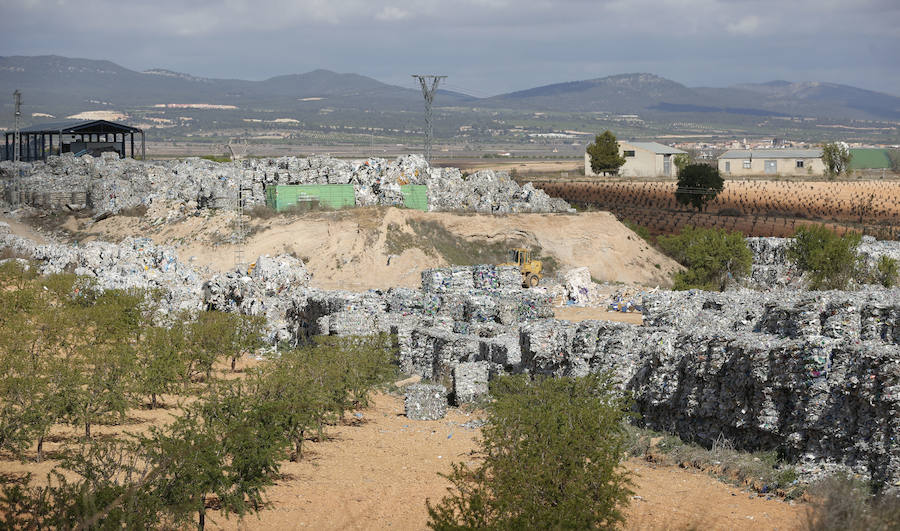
point(80, 126)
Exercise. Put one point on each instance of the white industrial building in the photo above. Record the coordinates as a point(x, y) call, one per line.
point(642, 159)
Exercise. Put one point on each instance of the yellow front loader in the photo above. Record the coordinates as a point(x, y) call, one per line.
point(532, 270)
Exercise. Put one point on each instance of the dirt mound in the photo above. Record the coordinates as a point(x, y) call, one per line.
point(368, 248)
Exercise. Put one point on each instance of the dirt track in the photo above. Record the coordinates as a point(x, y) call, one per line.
point(378, 473)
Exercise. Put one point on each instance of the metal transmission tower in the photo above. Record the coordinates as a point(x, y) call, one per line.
point(238, 151)
point(429, 98)
point(17, 100)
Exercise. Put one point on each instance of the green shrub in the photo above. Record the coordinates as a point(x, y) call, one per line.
point(711, 256)
point(886, 272)
point(551, 459)
point(829, 261)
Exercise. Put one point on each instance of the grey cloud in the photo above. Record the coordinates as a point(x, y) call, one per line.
point(488, 45)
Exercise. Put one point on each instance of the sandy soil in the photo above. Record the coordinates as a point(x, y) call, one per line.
point(18, 228)
point(350, 249)
point(378, 473)
point(377, 469)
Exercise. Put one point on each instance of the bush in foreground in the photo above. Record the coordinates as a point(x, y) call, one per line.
point(550, 459)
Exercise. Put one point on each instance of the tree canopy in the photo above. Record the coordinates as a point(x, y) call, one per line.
point(698, 184)
point(604, 154)
point(836, 157)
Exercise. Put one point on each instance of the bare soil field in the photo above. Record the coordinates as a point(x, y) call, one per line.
point(754, 207)
point(377, 248)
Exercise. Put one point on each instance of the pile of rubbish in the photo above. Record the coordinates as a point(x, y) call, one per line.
point(108, 184)
point(268, 286)
point(132, 263)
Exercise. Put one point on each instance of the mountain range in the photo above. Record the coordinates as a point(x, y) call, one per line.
point(61, 86)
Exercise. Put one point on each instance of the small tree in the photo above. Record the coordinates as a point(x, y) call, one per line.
point(551, 459)
point(829, 261)
point(101, 381)
point(681, 161)
point(711, 256)
point(604, 154)
point(162, 362)
point(226, 446)
point(698, 184)
point(836, 157)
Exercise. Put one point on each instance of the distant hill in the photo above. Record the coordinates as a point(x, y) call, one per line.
point(62, 86)
point(648, 93)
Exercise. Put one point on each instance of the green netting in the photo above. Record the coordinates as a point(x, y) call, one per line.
point(869, 159)
point(415, 196)
point(328, 195)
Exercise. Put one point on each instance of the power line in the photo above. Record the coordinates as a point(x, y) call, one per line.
point(428, 92)
point(17, 99)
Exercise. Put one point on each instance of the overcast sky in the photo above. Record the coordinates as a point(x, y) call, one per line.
point(486, 47)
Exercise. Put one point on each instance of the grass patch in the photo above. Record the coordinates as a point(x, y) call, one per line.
point(397, 241)
point(843, 503)
point(640, 230)
point(435, 240)
point(763, 472)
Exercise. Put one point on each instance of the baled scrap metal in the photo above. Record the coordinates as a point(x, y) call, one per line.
point(481, 309)
point(503, 350)
point(470, 381)
point(547, 346)
point(426, 344)
point(425, 402)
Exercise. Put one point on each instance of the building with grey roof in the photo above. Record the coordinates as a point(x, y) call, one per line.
point(773, 162)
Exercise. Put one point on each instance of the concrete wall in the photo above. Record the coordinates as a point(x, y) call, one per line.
point(784, 166)
point(644, 163)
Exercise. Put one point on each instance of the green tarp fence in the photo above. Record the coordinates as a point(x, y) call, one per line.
point(415, 196)
point(335, 196)
point(281, 197)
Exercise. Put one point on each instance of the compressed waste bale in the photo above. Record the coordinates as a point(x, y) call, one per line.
point(425, 402)
point(470, 381)
point(509, 277)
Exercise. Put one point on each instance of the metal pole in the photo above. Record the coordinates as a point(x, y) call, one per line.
point(428, 92)
point(17, 100)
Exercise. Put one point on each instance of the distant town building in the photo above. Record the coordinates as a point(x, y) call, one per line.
point(642, 159)
point(738, 162)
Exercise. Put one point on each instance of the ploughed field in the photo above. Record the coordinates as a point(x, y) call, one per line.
point(755, 208)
